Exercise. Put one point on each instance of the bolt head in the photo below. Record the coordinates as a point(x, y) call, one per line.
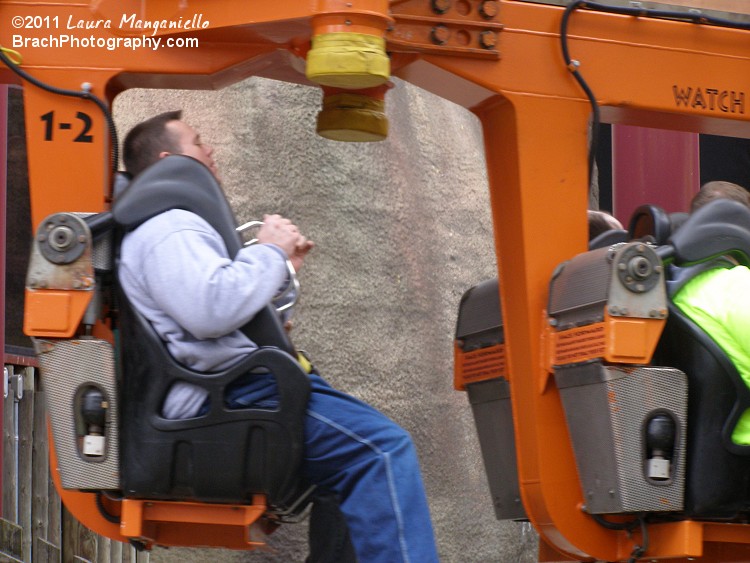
point(489, 9)
point(441, 6)
point(440, 35)
point(488, 39)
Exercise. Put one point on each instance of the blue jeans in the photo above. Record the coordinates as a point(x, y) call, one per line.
point(365, 458)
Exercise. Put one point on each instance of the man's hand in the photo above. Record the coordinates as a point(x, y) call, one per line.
point(300, 251)
point(284, 234)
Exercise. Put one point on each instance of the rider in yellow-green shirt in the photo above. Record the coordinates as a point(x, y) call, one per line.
point(718, 300)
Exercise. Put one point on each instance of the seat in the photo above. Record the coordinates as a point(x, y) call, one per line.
point(652, 221)
point(718, 471)
point(256, 450)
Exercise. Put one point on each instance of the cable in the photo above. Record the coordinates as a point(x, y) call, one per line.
point(573, 65)
point(103, 511)
point(83, 94)
point(640, 550)
point(692, 16)
point(13, 55)
point(629, 526)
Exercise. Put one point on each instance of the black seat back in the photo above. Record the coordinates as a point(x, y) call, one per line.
point(718, 471)
point(653, 222)
point(225, 455)
point(181, 182)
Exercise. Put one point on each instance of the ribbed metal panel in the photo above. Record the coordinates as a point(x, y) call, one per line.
point(66, 367)
point(607, 419)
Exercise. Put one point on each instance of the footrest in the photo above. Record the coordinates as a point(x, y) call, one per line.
point(194, 524)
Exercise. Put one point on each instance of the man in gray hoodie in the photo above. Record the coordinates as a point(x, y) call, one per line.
point(177, 273)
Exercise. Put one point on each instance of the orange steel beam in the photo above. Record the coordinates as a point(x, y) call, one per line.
point(643, 71)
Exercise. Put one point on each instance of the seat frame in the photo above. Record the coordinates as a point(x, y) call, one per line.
point(227, 455)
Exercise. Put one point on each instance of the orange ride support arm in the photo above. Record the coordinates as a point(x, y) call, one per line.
point(535, 121)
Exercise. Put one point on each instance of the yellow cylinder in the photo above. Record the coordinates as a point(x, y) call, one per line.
point(348, 60)
point(352, 117)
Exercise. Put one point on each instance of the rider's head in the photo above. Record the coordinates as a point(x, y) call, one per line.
point(720, 190)
point(161, 136)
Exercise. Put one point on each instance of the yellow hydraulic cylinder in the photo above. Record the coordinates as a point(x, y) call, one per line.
point(354, 115)
point(348, 44)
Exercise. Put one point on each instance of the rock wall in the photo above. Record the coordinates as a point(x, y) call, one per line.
point(402, 229)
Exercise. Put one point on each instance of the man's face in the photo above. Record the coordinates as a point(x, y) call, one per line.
point(189, 143)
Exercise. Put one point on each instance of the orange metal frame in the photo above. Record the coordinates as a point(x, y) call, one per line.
point(535, 121)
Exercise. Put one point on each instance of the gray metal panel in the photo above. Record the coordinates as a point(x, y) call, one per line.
point(490, 403)
point(606, 423)
point(65, 367)
point(579, 289)
point(480, 319)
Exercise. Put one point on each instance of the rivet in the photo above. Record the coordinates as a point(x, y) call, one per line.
point(441, 6)
point(440, 35)
point(489, 9)
point(488, 39)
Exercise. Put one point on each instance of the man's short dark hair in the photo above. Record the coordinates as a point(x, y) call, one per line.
point(720, 190)
point(147, 140)
point(600, 222)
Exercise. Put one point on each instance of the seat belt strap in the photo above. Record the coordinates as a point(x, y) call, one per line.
point(304, 362)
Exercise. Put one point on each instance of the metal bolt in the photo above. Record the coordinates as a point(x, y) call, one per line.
point(489, 9)
point(488, 39)
point(42, 237)
point(61, 238)
point(552, 322)
point(347, 22)
point(86, 86)
point(639, 267)
point(614, 311)
point(440, 35)
point(624, 311)
point(441, 6)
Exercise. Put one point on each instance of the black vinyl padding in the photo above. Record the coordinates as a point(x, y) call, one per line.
point(718, 471)
point(224, 456)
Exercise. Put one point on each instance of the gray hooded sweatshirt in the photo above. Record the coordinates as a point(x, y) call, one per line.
point(177, 273)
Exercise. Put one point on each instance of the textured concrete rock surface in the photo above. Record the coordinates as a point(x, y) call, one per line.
point(402, 229)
